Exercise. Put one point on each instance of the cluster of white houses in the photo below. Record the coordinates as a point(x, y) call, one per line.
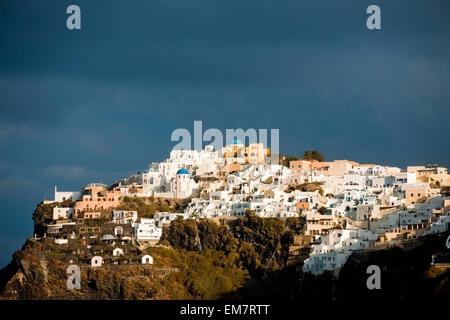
point(97, 261)
point(353, 206)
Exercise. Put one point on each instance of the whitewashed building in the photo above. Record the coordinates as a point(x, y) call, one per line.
point(124, 216)
point(147, 259)
point(96, 261)
point(146, 230)
point(117, 252)
point(62, 213)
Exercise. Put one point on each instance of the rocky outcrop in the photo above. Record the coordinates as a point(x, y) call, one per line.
point(259, 242)
point(406, 272)
point(40, 271)
point(43, 213)
point(241, 259)
point(195, 236)
point(28, 274)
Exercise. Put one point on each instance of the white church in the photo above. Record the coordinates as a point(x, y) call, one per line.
point(173, 178)
point(181, 186)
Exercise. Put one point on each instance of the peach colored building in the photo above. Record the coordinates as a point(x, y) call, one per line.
point(303, 206)
point(320, 166)
point(301, 165)
point(335, 168)
point(92, 215)
point(111, 199)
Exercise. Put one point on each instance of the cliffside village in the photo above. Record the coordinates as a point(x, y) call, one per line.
point(346, 205)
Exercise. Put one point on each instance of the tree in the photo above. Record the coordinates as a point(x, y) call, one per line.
point(313, 155)
point(249, 212)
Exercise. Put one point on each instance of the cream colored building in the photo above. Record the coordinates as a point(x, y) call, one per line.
point(319, 224)
point(256, 153)
point(431, 173)
point(417, 192)
point(237, 152)
point(334, 168)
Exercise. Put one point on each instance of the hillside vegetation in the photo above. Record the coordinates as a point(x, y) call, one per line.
point(251, 240)
point(203, 261)
point(239, 259)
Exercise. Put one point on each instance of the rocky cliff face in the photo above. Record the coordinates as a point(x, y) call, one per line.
point(208, 261)
point(259, 243)
point(42, 215)
point(38, 271)
point(406, 272)
point(27, 275)
point(205, 261)
point(406, 275)
point(35, 273)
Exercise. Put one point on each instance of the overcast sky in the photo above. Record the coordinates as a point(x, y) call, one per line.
point(100, 103)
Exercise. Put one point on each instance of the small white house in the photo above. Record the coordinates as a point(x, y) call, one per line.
point(61, 241)
point(118, 231)
point(147, 230)
point(65, 195)
point(62, 213)
point(107, 237)
point(117, 252)
point(96, 261)
point(147, 259)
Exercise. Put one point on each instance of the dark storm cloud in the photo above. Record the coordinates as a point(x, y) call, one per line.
point(101, 103)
